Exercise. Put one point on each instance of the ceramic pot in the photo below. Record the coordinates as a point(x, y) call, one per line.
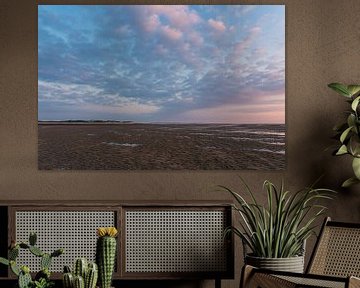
point(291, 264)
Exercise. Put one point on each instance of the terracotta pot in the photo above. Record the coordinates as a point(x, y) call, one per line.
point(291, 264)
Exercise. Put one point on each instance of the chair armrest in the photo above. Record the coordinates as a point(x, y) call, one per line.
point(255, 277)
point(252, 277)
point(354, 282)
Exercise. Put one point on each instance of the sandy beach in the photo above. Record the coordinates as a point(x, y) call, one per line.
point(138, 146)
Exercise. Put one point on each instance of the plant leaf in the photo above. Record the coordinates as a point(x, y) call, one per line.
point(349, 182)
point(355, 103)
point(345, 134)
point(342, 150)
point(353, 89)
point(356, 167)
point(4, 261)
point(340, 88)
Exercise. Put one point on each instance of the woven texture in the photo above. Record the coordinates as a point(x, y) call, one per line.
point(338, 253)
point(75, 231)
point(175, 241)
point(259, 280)
point(300, 282)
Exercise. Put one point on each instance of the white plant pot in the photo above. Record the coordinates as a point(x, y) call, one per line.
point(291, 264)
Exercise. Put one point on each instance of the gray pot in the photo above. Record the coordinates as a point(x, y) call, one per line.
point(291, 264)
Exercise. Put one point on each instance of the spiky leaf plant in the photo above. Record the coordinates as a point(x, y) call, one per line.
point(349, 131)
point(279, 229)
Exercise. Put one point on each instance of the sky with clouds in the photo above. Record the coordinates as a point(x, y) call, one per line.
point(162, 63)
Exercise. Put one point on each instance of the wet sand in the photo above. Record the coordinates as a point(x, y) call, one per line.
point(137, 146)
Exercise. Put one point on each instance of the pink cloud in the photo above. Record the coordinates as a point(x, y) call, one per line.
point(232, 113)
point(161, 50)
point(179, 16)
point(151, 23)
point(241, 46)
point(196, 39)
point(171, 33)
point(217, 25)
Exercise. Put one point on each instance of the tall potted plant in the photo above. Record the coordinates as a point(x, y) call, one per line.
point(349, 131)
point(276, 233)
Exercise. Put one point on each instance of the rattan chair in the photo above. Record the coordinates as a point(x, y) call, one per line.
point(334, 263)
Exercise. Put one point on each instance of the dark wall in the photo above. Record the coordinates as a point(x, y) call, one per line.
point(322, 46)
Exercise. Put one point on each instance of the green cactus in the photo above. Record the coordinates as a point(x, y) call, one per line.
point(87, 272)
point(4, 261)
point(32, 238)
point(13, 253)
point(80, 267)
point(68, 280)
point(36, 251)
point(45, 261)
point(57, 252)
point(105, 258)
point(43, 274)
point(91, 276)
point(14, 268)
point(24, 280)
point(67, 269)
point(24, 245)
point(79, 282)
point(42, 278)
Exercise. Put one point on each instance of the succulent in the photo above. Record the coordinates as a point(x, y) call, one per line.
point(85, 275)
point(80, 268)
point(42, 278)
point(91, 276)
point(106, 254)
point(79, 282)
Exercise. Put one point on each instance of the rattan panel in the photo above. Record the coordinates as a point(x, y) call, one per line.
point(338, 253)
point(175, 241)
point(75, 231)
point(312, 282)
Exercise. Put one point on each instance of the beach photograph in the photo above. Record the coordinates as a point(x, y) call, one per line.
point(161, 87)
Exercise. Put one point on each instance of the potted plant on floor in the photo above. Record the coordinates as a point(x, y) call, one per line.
point(349, 131)
point(276, 233)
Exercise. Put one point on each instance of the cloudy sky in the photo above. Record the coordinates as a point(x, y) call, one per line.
point(162, 63)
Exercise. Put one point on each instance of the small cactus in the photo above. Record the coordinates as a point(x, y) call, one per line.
point(91, 276)
point(13, 253)
point(80, 268)
point(79, 282)
point(36, 251)
point(89, 272)
point(45, 261)
point(106, 254)
point(32, 238)
point(24, 278)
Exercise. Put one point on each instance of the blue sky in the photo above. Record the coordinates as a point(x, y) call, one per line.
point(162, 63)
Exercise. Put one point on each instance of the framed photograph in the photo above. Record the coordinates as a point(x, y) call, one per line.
point(161, 87)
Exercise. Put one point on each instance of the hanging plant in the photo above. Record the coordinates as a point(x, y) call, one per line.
point(348, 132)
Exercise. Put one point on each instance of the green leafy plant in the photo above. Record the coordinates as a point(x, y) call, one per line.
point(42, 278)
point(279, 229)
point(349, 131)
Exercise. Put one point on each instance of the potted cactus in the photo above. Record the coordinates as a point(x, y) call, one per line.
point(42, 278)
point(84, 275)
point(106, 254)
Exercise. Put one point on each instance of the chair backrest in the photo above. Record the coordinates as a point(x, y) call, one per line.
point(337, 251)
